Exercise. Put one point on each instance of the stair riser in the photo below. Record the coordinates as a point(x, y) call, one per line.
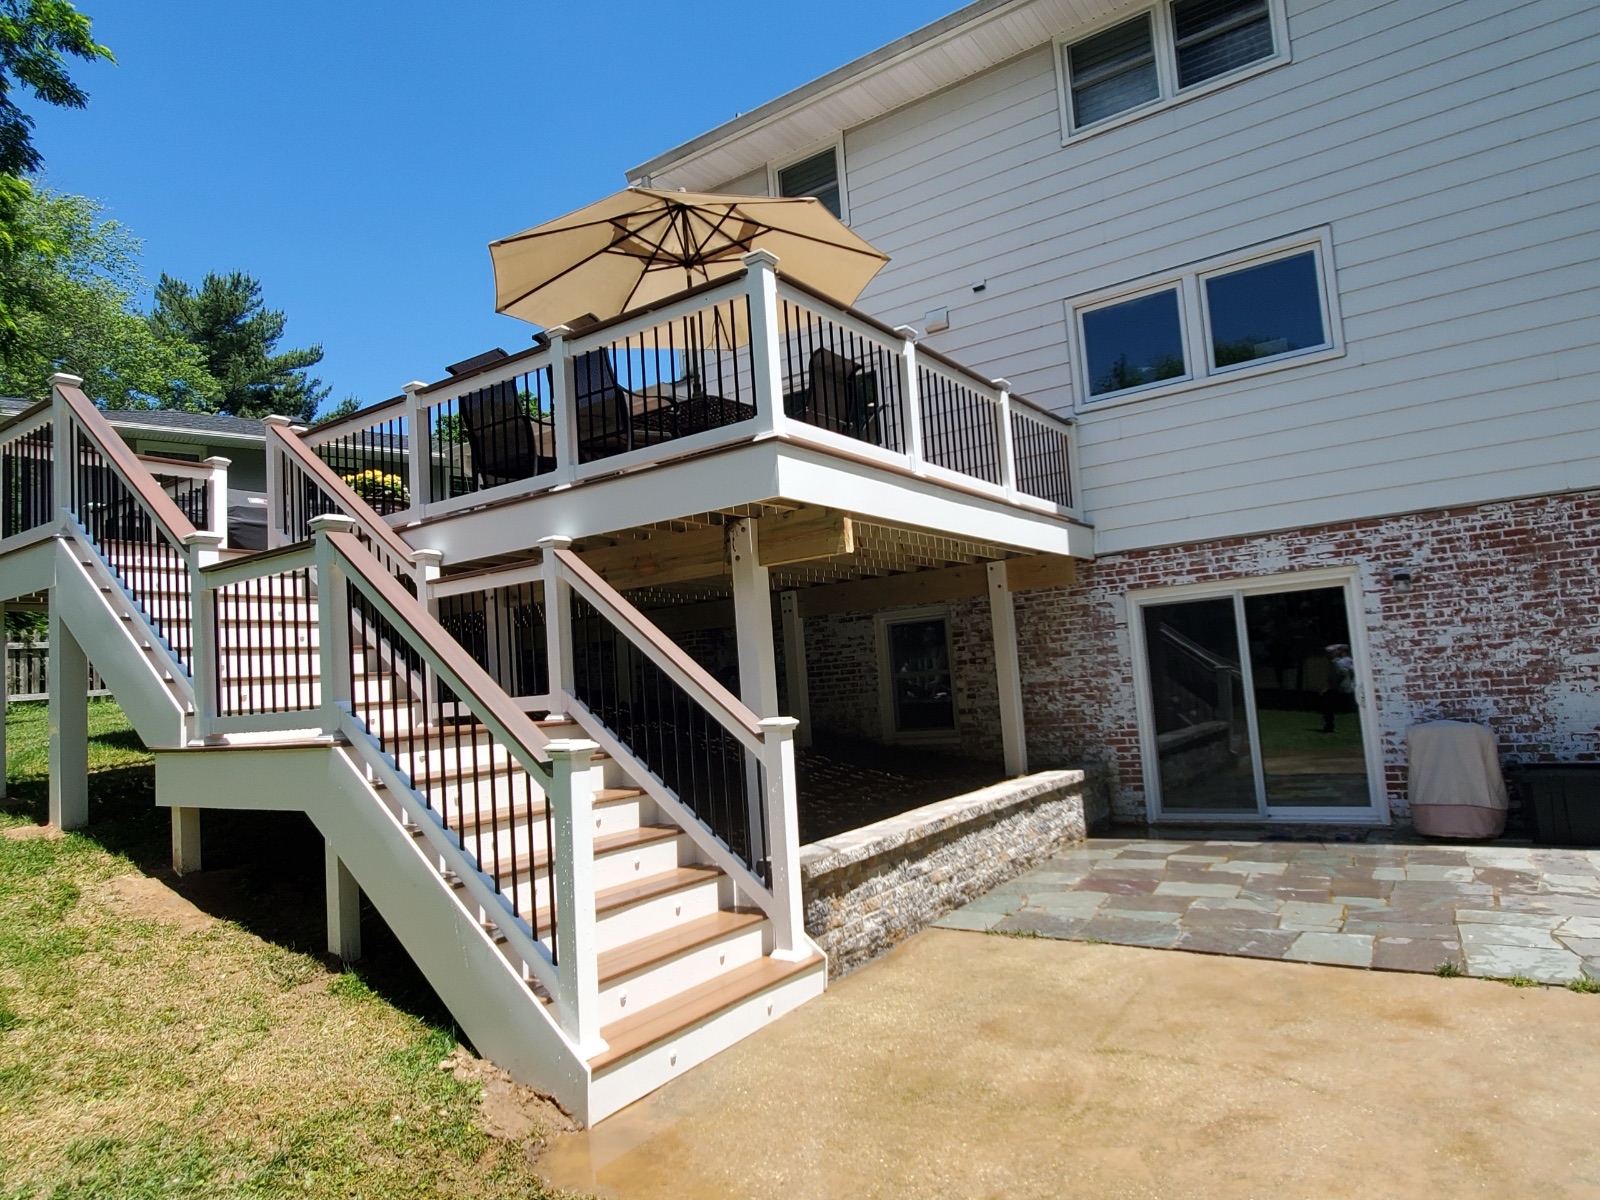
point(615, 816)
point(654, 984)
point(610, 870)
point(623, 925)
point(621, 1083)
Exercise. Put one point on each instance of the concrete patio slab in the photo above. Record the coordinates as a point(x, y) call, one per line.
point(972, 1065)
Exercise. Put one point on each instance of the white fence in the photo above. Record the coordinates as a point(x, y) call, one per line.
point(28, 672)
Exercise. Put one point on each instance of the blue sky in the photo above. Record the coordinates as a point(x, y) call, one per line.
point(358, 157)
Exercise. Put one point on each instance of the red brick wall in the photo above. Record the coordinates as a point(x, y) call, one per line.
point(1502, 627)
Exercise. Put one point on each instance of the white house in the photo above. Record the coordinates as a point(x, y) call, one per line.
point(1318, 282)
point(1228, 406)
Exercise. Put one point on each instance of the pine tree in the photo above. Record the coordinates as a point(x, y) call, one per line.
point(238, 336)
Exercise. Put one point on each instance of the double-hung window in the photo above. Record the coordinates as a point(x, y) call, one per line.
point(1257, 309)
point(1165, 54)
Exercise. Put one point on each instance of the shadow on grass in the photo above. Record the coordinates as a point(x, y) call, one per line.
point(263, 872)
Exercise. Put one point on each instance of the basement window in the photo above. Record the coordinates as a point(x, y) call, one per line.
point(919, 693)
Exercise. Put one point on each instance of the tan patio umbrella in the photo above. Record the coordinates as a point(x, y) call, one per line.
point(643, 245)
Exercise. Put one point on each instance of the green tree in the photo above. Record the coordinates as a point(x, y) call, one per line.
point(74, 276)
point(238, 336)
point(36, 38)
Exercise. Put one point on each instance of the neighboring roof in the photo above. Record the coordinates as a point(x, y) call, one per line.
point(186, 426)
point(982, 35)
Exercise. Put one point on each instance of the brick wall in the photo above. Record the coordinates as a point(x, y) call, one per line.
point(1501, 627)
point(842, 674)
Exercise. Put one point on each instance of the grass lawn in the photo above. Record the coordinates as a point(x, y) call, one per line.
point(185, 1039)
point(1292, 732)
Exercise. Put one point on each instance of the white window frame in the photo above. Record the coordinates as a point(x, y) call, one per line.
point(1195, 320)
point(1346, 578)
point(836, 144)
point(911, 616)
point(1165, 46)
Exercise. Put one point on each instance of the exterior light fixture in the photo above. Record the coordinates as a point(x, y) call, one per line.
point(1401, 580)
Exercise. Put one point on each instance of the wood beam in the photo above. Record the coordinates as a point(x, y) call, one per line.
point(804, 534)
point(930, 587)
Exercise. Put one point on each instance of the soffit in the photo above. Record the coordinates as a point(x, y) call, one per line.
point(972, 40)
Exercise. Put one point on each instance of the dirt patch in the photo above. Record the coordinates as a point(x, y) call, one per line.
point(28, 833)
point(147, 899)
point(510, 1111)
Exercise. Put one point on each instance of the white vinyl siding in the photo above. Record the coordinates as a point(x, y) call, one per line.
point(1450, 150)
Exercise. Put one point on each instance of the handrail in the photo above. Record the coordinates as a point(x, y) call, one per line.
point(127, 464)
point(463, 675)
point(354, 506)
point(731, 711)
point(359, 419)
point(238, 570)
point(475, 375)
point(12, 427)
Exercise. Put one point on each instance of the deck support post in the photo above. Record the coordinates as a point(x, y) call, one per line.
point(577, 952)
point(752, 626)
point(344, 906)
point(69, 726)
point(557, 625)
point(1008, 670)
point(186, 840)
point(796, 684)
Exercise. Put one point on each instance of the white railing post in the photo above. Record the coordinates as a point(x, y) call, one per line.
point(912, 394)
point(783, 838)
point(425, 570)
point(217, 518)
point(563, 414)
point(333, 622)
point(276, 427)
point(1074, 496)
point(571, 798)
point(64, 436)
point(419, 451)
point(557, 624)
point(761, 285)
point(1003, 446)
point(202, 549)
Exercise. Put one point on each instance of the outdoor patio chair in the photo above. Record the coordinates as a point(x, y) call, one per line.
point(838, 395)
point(506, 442)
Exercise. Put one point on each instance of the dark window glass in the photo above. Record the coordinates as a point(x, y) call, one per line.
point(919, 663)
point(1265, 311)
point(817, 176)
point(1112, 72)
point(1218, 36)
point(1133, 343)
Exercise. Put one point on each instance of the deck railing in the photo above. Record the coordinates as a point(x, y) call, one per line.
point(754, 356)
point(27, 470)
point(370, 451)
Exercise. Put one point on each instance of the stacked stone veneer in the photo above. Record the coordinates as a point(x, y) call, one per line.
point(872, 887)
point(1501, 626)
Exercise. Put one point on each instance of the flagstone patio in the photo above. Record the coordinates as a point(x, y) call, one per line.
point(1492, 911)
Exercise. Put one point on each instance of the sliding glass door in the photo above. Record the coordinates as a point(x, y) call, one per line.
point(1253, 704)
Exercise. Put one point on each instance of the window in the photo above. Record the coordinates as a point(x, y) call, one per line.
point(1113, 72)
point(919, 696)
point(1253, 310)
point(1214, 37)
point(1178, 49)
point(1134, 342)
point(1264, 311)
point(815, 176)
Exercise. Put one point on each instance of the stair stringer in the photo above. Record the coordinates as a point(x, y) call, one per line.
point(485, 994)
point(154, 708)
point(27, 564)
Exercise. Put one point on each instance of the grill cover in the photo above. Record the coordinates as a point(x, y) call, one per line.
point(1455, 783)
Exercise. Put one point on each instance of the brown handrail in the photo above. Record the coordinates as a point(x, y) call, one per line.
point(31, 411)
point(360, 412)
point(127, 464)
point(732, 706)
point(354, 505)
point(496, 365)
point(251, 558)
point(485, 693)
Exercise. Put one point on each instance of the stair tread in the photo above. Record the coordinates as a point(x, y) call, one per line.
point(623, 894)
point(669, 943)
point(643, 1029)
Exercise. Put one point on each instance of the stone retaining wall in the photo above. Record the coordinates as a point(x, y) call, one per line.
point(872, 887)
